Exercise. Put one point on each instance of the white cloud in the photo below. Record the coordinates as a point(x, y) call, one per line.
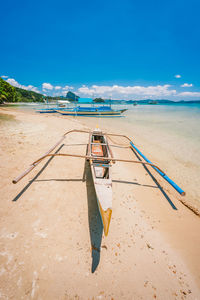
point(187, 85)
point(67, 87)
point(29, 87)
point(57, 87)
point(189, 94)
point(64, 93)
point(125, 92)
point(177, 76)
point(47, 86)
point(4, 76)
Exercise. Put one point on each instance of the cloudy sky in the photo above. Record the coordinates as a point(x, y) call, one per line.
point(120, 49)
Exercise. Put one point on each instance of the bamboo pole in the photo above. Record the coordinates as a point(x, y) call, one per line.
point(121, 135)
point(34, 164)
point(169, 180)
point(89, 157)
point(99, 158)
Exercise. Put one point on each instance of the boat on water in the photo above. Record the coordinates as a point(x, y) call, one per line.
point(47, 110)
point(91, 111)
point(100, 157)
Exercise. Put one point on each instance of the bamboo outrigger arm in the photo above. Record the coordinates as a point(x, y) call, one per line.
point(112, 159)
point(169, 180)
point(88, 157)
point(175, 186)
point(33, 165)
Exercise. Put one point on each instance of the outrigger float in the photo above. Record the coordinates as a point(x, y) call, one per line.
point(100, 156)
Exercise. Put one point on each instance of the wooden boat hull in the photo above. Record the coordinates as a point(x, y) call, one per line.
point(91, 113)
point(101, 174)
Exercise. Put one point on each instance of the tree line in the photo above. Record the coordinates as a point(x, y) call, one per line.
point(9, 93)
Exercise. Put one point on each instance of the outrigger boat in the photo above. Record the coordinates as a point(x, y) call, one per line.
point(47, 110)
point(100, 157)
point(91, 111)
point(101, 174)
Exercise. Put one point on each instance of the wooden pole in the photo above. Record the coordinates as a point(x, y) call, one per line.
point(34, 164)
point(99, 158)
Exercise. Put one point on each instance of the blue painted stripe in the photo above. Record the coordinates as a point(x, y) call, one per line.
point(175, 186)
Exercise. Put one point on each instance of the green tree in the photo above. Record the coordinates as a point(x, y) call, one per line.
point(7, 92)
point(99, 100)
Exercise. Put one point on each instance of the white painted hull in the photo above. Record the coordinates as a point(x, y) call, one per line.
point(102, 178)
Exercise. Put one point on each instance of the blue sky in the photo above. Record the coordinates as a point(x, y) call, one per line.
point(121, 49)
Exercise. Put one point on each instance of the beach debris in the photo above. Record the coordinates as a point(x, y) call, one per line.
point(145, 284)
point(183, 292)
point(105, 247)
point(149, 246)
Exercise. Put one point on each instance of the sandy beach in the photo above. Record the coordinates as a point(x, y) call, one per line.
point(52, 244)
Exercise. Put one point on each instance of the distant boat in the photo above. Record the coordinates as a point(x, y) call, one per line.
point(91, 111)
point(135, 103)
point(153, 102)
point(47, 110)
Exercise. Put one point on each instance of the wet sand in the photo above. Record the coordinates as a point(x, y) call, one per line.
point(51, 239)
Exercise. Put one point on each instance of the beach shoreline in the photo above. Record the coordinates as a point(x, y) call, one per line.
point(147, 236)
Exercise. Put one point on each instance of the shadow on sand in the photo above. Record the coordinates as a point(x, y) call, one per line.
point(94, 219)
point(36, 176)
point(156, 182)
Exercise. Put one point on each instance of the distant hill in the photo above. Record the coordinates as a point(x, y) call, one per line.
point(72, 97)
point(28, 96)
point(9, 93)
point(146, 101)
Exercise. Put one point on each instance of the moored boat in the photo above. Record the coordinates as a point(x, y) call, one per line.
point(91, 111)
point(46, 110)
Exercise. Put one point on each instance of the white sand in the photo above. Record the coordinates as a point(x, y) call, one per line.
point(51, 240)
